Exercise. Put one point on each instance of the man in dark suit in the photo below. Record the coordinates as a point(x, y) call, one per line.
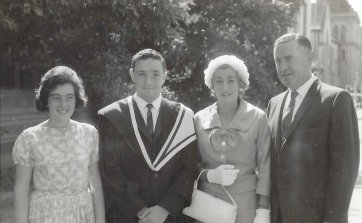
point(148, 152)
point(314, 162)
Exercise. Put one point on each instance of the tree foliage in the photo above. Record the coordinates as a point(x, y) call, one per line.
point(246, 29)
point(98, 37)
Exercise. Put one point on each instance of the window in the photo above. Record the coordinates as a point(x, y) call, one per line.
point(343, 55)
point(343, 33)
point(335, 32)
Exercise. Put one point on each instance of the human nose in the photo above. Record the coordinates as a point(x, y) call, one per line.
point(281, 66)
point(148, 80)
point(63, 102)
point(225, 86)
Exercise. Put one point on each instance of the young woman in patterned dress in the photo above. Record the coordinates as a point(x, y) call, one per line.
point(61, 155)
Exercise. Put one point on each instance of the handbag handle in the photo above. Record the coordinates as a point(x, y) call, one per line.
point(229, 195)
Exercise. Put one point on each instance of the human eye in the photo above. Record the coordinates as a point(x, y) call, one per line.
point(54, 97)
point(70, 97)
point(140, 74)
point(289, 59)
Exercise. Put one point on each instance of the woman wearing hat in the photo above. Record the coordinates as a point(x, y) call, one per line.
point(234, 139)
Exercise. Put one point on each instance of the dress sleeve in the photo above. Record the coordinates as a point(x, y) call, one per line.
point(22, 150)
point(94, 157)
point(263, 143)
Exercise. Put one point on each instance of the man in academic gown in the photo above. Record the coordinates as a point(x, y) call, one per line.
point(148, 153)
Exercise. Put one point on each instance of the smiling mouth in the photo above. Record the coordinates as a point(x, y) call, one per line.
point(63, 111)
point(225, 94)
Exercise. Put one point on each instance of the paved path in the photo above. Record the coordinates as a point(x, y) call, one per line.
point(355, 209)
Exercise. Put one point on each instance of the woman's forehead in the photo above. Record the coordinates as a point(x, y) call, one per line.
point(225, 71)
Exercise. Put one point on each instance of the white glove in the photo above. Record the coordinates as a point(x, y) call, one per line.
point(262, 216)
point(223, 174)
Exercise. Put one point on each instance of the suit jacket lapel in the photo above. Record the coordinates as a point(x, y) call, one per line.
point(279, 108)
point(303, 108)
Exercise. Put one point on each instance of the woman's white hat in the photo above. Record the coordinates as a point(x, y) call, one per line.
point(237, 64)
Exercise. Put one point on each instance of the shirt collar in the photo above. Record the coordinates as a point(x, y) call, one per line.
point(303, 89)
point(142, 103)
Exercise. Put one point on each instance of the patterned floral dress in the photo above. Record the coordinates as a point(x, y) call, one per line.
point(60, 158)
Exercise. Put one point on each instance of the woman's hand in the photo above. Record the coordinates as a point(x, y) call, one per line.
point(224, 175)
point(262, 216)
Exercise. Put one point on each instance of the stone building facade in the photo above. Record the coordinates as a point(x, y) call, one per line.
point(336, 35)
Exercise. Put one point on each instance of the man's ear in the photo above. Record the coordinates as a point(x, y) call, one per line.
point(165, 76)
point(131, 74)
point(310, 56)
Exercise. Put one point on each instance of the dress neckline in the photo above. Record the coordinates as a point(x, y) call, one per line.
point(45, 125)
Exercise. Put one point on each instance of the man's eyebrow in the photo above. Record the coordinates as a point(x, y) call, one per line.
point(55, 94)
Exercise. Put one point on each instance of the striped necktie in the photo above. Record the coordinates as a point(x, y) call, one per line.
point(287, 120)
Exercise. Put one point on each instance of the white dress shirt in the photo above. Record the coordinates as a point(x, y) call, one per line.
point(155, 110)
point(302, 92)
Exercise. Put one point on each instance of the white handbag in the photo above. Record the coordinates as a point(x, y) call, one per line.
point(210, 209)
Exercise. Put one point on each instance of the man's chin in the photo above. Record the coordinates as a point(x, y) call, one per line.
point(286, 83)
point(149, 97)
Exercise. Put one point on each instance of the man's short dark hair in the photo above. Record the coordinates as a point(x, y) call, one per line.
point(301, 39)
point(146, 54)
point(55, 77)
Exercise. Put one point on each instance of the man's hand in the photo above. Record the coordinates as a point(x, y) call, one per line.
point(142, 213)
point(155, 214)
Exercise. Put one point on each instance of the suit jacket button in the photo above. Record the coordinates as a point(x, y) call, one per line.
point(155, 175)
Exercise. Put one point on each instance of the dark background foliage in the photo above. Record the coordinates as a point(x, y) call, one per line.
point(97, 38)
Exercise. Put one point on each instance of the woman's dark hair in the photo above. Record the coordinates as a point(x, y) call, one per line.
point(56, 76)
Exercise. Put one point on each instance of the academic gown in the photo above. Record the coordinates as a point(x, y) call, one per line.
point(128, 182)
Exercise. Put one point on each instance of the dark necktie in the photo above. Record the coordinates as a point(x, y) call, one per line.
point(289, 113)
point(149, 120)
